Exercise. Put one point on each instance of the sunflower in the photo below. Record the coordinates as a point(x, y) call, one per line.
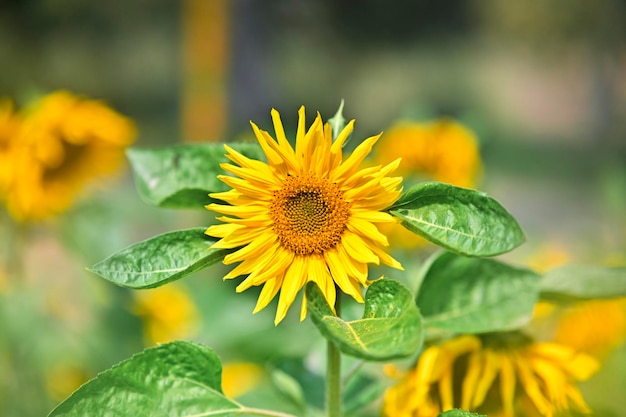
point(502, 374)
point(64, 142)
point(306, 215)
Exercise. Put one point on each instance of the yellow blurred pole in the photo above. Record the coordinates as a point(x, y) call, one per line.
point(205, 59)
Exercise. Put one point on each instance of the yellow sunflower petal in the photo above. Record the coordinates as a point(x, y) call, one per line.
point(475, 368)
point(268, 292)
point(492, 364)
point(294, 280)
point(358, 249)
point(507, 386)
point(261, 242)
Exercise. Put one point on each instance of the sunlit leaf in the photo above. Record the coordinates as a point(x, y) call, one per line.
point(391, 326)
point(464, 221)
point(584, 282)
point(161, 259)
point(474, 295)
point(175, 380)
point(182, 176)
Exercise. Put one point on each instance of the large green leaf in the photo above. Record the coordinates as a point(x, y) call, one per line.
point(182, 176)
point(584, 282)
point(391, 326)
point(161, 259)
point(464, 221)
point(475, 295)
point(175, 379)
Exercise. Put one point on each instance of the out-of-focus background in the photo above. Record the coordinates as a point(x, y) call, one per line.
point(541, 84)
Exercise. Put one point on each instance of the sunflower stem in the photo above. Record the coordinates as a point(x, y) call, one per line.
point(333, 373)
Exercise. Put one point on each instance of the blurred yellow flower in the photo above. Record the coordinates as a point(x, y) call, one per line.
point(63, 142)
point(307, 215)
point(9, 127)
point(168, 313)
point(503, 374)
point(441, 150)
point(595, 326)
point(239, 378)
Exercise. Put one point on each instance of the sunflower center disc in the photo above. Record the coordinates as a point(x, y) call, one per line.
point(309, 214)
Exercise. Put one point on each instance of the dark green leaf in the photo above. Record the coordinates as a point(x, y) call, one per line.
point(474, 295)
point(160, 260)
point(182, 176)
point(464, 221)
point(459, 413)
point(584, 282)
point(175, 379)
point(391, 326)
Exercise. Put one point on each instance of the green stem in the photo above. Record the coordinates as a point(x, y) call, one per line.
point(333, 374)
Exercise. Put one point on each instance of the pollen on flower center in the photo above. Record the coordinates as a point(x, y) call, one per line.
point(309, 214)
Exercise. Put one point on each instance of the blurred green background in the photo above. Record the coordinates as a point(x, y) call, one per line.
point(543, 84)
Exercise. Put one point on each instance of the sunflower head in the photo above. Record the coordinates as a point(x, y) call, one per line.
point(505, 374)
point(64, 141)
point(307, 214)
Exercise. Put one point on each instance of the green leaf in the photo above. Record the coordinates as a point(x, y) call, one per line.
point(360, 391)
point(288, 387)
point(463, 221)
point(475, 295)
point(161, 259)
point(459, 413)
point(581, 282)
point(182, 176)
point(391, 326)
point(175, 379)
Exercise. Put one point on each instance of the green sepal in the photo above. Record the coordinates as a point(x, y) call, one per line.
point(459, 413)
point(161, 259)
point(182, 176)
point(338, 123)
point(581, 282)
point(391, 326)
point(463, 221)
point(475, 295)
point(174, 379)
